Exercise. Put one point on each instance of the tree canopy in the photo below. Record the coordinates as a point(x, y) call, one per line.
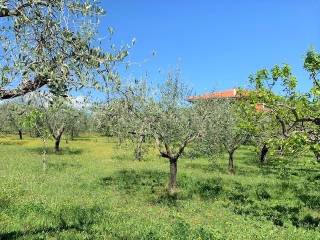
point(296, 113)
point(53, 43)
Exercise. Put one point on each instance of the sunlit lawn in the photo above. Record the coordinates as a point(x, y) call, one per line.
point(95, 190)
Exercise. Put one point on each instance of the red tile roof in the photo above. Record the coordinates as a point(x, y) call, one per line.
point(231, 93)
point(227, 94)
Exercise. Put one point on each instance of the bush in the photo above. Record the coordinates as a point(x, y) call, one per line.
point(210, 188)
point(181, 229)
point(131, 180)
point(309, 221)
point(262, 193)
point(78, 217)
point(239, 194)
point(311, 200)
point(204, 234)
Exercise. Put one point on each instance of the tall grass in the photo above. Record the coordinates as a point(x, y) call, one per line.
point(95, 190)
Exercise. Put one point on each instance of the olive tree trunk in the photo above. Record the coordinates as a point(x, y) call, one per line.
point(20, 134)
point(58, 140)
point(44, 155)
point(263, 154)
point(317, 155)
point(231, 167)
point(138, 152)
point(173, 176)
point(139, 148)
point(72, 134)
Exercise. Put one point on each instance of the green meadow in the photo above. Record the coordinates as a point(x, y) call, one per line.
point(94, 189)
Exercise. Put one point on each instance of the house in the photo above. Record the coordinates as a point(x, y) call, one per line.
point(227, 94)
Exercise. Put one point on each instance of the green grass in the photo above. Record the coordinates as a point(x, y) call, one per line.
point(95, 190)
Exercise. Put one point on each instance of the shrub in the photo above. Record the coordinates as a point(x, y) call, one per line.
point(210, 188)
point(204, 234)
point(311, 200)
point(262, 193)
point(181, 229)
point(239, 194)
point(78, 217)
point(310, 221)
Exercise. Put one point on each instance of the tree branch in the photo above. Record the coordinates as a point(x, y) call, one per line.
point(189, 139)
point(26, 87)
point(283, 126)
point(5, 12)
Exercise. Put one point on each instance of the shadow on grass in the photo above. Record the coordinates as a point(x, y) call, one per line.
point(209, 167)
point(132, 180)
point(282, 170)
point(4, 203)
point(29, 233)
point(63, 165)
point(12, 142)
point(249, 158)
point(76, 218)
point(84, 139)
point(121, 157)
point(154, 184)
point(63, 151)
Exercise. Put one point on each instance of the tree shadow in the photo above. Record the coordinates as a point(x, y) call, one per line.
point(4, 203)
point(12, 142)
point(70, 218)
point(18, 234)
point(43, 230)
point(249, 159)
point(132, 180)
point(122, 157)
point(63, 151)
point(83, 139)
point(63, 165)
point(209, 167)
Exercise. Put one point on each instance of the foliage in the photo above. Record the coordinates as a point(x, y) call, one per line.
point(55, 44)
point(177, 122)
point(127, 117)
point(296, 114)
point(129, 203)
point(227, 130)
point(12, 116)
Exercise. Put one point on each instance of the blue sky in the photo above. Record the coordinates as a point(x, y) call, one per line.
point(217, 44)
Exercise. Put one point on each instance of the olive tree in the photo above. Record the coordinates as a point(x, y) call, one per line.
point(162, 115)
point(35, 119)
point(297, 114)
point(176, 123)
point(13, 115)
point(127, 116)
point(227, 130)
point(53, 43)
point(76, 122)
point(265, 128)
point(58, 116)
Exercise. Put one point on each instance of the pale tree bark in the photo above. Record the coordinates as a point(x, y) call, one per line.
point(44, 155)
point(173, 176)
point(139, 148)
point(57, 138)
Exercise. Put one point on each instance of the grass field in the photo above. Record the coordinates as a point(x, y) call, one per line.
point(95, 190)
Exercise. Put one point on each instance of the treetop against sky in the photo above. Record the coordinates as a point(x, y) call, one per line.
point(217, 44)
